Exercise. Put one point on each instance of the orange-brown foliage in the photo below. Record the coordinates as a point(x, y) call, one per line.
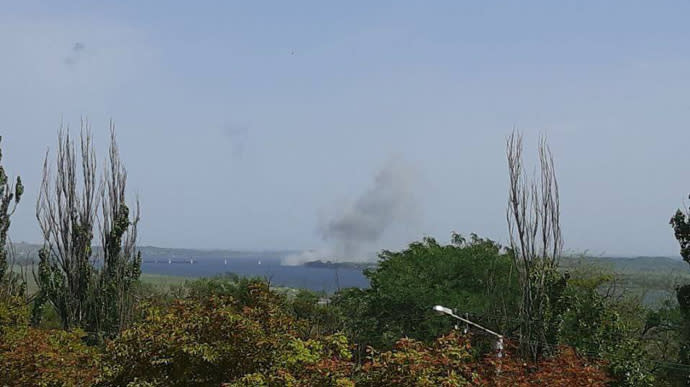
point(564, 369)
point(39, 357)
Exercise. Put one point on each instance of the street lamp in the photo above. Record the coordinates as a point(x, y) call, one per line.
point(447, 311)
point(443, 310)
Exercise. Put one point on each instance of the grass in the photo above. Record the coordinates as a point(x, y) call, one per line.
point(159, 281)
point(163, 280)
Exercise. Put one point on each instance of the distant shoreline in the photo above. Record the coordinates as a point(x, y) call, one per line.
point(340, 265)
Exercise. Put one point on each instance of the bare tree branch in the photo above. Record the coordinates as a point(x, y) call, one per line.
point(86, 293)
point(533, 216)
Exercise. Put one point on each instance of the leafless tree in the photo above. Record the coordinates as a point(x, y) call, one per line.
point(533, 216)
point(66, 216)
point(15, 281)
point(86, 293)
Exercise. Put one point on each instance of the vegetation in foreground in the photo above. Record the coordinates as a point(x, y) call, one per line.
point(103, 325)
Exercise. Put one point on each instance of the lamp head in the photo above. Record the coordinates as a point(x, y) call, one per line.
point(442, 310)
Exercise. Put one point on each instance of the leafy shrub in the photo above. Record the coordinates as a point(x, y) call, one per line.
point(41, 357)
point(14, 314)
point(566, 368)
point(600, 326)
point(223, 340)
point(411, 363)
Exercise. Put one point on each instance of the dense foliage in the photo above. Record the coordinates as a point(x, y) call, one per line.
point(220, 339)
point(10, 195)
point(91, 325)
point(681, 228)
point(565, 368)
point(447, 362)
point(472, 275)
point(41, 357)
point(599, 325)
point(241, 333)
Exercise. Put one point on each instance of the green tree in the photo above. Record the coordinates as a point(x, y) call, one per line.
point(113, 299)
point(12, 287)
point(10, 195)
point(322, 319)
point(681, 229)
point(247, 341)
point(95, 297)
point(599, 324)
point(664, 334)
point(473, 275)
point(67, 216)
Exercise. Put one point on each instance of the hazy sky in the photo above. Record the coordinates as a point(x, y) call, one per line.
point(243, 123)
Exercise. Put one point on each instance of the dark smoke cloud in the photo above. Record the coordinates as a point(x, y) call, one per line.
point(75, 53)
point(389, 200)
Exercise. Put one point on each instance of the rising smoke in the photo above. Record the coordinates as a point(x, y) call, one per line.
point(356, 228)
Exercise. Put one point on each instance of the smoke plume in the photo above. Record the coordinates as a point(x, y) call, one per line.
point(353, 230)
point(389, 199)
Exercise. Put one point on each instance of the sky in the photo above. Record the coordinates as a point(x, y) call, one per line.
point(265, 125)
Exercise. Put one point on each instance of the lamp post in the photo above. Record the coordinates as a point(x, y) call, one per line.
point(447, 311)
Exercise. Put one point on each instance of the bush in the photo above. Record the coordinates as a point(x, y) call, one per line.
point(223, 340)
point(411, 363)
point(600, 326)
point(566, 368)
point(14, 315)
point(38, 357)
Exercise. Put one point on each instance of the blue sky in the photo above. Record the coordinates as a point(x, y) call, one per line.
point(244, 124)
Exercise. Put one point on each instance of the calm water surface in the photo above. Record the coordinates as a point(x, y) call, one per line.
point(269, 267)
